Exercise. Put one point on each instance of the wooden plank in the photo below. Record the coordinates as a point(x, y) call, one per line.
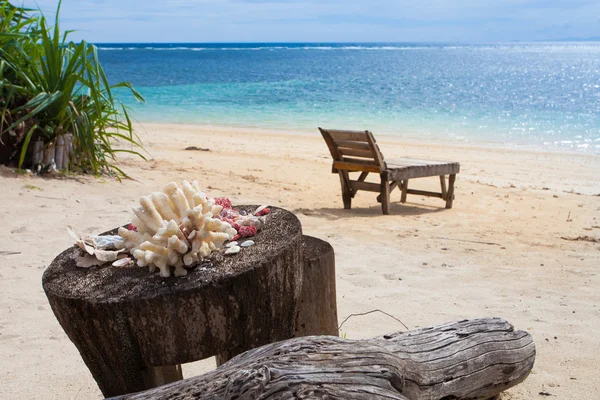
point(356, 152)
point(352, 145)
point(394, 173)
point(368, 186)
point(363, 176)
point(424, 193)
point(416, 161)
point(355, 167)
point(360, 161)
point(331, 145)
point(375, 150)
point(358, 136)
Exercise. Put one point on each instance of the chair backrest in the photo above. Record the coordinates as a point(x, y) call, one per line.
point(353, 150)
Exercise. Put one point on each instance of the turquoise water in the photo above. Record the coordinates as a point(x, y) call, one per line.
point(542, 95)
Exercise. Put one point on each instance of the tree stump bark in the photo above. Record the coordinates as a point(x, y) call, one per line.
point(470, 359)
point(317, 307)
point(316, 310)
point(132, 328)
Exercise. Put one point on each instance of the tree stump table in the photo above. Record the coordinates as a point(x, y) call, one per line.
point(133, 328)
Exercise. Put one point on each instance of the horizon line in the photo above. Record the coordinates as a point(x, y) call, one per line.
point(574, 40)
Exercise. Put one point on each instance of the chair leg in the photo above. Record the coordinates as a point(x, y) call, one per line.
point(450, 193)
point(404, 190)
point(385, 196)
point(443, 183)
point(393, 186)
point(346, 195)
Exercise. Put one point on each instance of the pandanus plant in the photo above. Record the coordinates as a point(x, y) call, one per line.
point(50, 86)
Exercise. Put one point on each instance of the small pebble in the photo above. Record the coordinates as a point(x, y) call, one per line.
point(233, 250)
point(247, 243)
point(231, 244)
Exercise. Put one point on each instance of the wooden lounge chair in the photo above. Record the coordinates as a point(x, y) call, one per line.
point(357, 151)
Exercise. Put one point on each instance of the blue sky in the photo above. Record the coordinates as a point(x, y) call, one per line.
point(326, 20)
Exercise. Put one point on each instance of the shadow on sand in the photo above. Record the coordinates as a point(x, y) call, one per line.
point(404, 209)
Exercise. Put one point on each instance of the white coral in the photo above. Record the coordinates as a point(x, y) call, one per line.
point(176, 227)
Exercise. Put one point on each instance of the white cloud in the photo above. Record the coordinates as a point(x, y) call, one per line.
point(325, 20)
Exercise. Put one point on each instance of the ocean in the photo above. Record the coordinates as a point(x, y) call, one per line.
point(524, 95)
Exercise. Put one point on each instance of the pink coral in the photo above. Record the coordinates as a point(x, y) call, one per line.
point(247, 231)
point(264, 211)
point(223, 202)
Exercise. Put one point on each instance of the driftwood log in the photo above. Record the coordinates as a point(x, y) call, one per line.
point(133, 329)
point(470, 359)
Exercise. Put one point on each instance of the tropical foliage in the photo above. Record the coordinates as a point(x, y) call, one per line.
point(50, 86)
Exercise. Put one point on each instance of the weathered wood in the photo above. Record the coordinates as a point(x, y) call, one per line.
point(356, 166)
point(125, 321)
point(393, 185)
point(363, 176)
point(399, 169)
point(450, 194)
point(317, 308)
point(345, 146)
point(346, 189)
point(355, 152)
point(375, 149)
point(351, 144)
point(424, 193)
point(443, 185)
point(470, 359)
point(367, 186)
point(356, 136)
point(360, 161)
point(385, 197)
point(158, 376)
point(404, 190)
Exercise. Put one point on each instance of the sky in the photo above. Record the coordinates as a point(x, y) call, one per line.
point(468, 21)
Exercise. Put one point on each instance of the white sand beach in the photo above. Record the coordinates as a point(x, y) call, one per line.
point(502, 250)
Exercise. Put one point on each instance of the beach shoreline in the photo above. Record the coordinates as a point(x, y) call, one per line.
point(422, 263)
point(407, 136)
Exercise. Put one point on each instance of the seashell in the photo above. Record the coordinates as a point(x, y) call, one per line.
point(233, 250)
point(251, 220)
point(106, 255)
point(123, 262)
point(108, 242)
point(84, 260)
point(248, 243)
point(231, 244)
point(103, 248)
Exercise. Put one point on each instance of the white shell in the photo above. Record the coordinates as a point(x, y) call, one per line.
point(233, 250)
point(84, 260)
point(248, 243)
point(123, 262)
point(231, 244)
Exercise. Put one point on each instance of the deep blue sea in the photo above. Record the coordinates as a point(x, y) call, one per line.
point(540, 95)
